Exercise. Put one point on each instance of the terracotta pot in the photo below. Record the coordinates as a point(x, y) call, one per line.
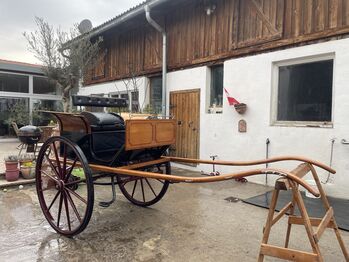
point(12, 175)
point(27, 172)
point(240, 108)
point(11, 166)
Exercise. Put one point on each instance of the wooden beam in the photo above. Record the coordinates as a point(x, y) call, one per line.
point(297, 220)
point(282, 213)
point(264, 18)
point(301, 170)
point(287, 253)
point(324, 224)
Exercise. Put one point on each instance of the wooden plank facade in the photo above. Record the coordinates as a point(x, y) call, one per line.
point(235, 28)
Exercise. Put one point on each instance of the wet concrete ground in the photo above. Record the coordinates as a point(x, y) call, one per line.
point(191, 223)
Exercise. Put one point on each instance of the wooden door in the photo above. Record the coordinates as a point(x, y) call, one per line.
point(185, 108)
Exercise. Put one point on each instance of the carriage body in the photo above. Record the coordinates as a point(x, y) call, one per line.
point(90, 148)
point(105, 138)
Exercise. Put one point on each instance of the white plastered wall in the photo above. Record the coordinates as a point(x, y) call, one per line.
point(250, 80)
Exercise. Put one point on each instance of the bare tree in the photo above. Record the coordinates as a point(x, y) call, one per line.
point(67, 57)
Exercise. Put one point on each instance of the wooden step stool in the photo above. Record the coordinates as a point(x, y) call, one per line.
point(328, 221)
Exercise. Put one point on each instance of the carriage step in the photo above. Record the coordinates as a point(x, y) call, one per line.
point(108, 203)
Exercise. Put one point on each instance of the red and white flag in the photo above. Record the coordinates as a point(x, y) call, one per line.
point(231, 100)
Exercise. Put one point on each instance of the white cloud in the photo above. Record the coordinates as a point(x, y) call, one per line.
point(17, 16)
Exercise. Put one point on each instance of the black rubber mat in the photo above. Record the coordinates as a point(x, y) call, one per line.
point(314, 206)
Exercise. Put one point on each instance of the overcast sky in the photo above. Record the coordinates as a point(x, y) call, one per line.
point(17, 16)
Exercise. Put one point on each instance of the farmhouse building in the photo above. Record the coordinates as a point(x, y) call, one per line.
point(287, 60)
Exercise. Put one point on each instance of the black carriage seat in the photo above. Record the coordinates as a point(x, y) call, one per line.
point(108, 133)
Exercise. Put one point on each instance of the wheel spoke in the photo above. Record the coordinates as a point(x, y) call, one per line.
point(49, 176)
point(57, 159)
point(52, 165)
point(73, 206)
point(134, 187)
point(71, 169)
point(66, 209)
point(59, 210)
point(76, 195)
point(128, 180)
point(53, 201)
point(146, 180)
point(64, 170)
point(162, 182)
point(142, 190)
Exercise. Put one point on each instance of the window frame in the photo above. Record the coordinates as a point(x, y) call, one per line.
point(210, 109)
point(151, 88)
point(275, 91)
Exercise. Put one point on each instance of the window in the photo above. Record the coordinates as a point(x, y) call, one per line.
point(40, 119)
point(13, 109)
point(304, 92)
point(14, 83)
point(156, 94)
point(135, 102)
point(42, 85)
point(216, 90)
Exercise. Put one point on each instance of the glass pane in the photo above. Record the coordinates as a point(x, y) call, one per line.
point(135, 102)
point(13, 110)
point(14, 83)
point(42, 85)
point(42, 119)
point(156, 94)
point(216, 91)
point(305, 92)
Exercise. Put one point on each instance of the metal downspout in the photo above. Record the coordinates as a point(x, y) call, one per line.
point(164, 56)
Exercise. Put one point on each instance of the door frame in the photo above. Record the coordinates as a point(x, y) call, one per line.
point(198, 90)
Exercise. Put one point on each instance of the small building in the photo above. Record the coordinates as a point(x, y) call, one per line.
point(23, 89)
point(287, 60)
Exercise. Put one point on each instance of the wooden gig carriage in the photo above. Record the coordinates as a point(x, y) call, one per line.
point(132, 154)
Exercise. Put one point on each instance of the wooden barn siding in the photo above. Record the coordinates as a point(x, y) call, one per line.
point(237, 27)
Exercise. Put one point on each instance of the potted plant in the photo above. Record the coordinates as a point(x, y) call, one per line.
point(11, 164)
point(28, 170)
point(25, 158)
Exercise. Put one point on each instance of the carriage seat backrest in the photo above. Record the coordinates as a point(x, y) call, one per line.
point(104, 121)
point(107, 131)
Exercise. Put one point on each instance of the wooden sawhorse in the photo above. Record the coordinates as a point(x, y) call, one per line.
point(328, 221)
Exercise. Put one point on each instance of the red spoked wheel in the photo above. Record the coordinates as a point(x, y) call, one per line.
point(143, 191)
point(64, 186)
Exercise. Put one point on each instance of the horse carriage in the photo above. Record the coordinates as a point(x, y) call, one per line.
point(104, 149)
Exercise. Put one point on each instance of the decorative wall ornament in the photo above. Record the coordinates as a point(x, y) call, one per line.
point(242, 126)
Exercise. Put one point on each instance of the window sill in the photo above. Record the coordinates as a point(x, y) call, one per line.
point(303, 124)
point(215, 110)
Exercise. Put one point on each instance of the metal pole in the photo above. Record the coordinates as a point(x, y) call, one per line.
point(267, 142)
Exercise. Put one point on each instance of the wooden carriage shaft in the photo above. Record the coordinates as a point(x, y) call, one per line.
point(127, 170)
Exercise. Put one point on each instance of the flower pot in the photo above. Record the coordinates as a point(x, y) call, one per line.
point(27, 172)
point(12, 175)
point(240, 108)
point(11, 166)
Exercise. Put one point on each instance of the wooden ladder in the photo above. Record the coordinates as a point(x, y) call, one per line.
point(328, 221)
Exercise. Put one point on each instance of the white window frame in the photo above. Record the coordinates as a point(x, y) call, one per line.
point(30, 95)
point(275, 89)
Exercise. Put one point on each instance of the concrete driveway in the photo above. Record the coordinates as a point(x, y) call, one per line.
point(191, 223)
